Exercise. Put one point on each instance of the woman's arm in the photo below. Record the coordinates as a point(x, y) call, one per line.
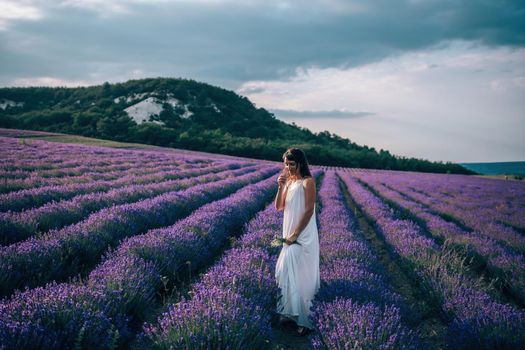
point(281, 196)
point(309, 202)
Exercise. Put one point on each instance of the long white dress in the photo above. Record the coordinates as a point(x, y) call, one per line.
point(297, 268)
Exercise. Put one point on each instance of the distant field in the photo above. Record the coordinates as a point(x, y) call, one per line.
point(503, 168)
point(143, 247)
point(89, 141)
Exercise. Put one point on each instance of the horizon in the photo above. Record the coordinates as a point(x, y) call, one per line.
point(448, 85)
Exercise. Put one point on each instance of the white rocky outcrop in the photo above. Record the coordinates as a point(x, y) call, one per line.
point(4, 103)
point(142, 111)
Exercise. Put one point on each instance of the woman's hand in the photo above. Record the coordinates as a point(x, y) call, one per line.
point(281, 180)
point(280, 196)
point(291, 238)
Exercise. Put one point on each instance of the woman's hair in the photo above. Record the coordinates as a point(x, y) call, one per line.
point(299, 157)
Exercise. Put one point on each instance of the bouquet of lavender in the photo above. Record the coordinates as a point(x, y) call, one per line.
point(278, 241)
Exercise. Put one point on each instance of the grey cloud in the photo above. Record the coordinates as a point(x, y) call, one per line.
point(252, 90)
point(333, 114)
point(229, 44)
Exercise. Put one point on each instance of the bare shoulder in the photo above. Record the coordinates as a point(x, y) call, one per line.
point(309, 182)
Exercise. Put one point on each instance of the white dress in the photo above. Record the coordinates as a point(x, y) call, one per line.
point(297, 268)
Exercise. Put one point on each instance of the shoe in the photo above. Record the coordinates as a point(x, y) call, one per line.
point(282, 319)
point(303, 330)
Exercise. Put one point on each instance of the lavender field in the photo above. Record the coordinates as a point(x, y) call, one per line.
point(104, 248)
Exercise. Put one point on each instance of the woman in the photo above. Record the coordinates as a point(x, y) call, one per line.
point(297, 268)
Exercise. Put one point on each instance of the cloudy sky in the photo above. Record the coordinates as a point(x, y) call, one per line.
point(439, 80)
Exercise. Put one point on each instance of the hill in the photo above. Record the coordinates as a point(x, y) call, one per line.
point(188, 114)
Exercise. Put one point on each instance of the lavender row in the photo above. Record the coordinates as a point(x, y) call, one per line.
point(19, 226)
point(13, 161)
point(76, 168)
point(474, 318)
point(501, 200)
point(262, 229)
point(355, 304)
point(92, 171)
point(8, 186)
point(438, 193)
point(15, 165)
point(38, 149)
point(483, 221)
point(51, 159)
point(506, 267)
point(34, 197)
point(129, 284)
point(57, 153)
point(75, 249)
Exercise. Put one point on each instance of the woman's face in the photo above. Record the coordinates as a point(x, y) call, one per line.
point(292, 166)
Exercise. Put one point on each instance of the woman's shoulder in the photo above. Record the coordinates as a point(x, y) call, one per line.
point(308, 179)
